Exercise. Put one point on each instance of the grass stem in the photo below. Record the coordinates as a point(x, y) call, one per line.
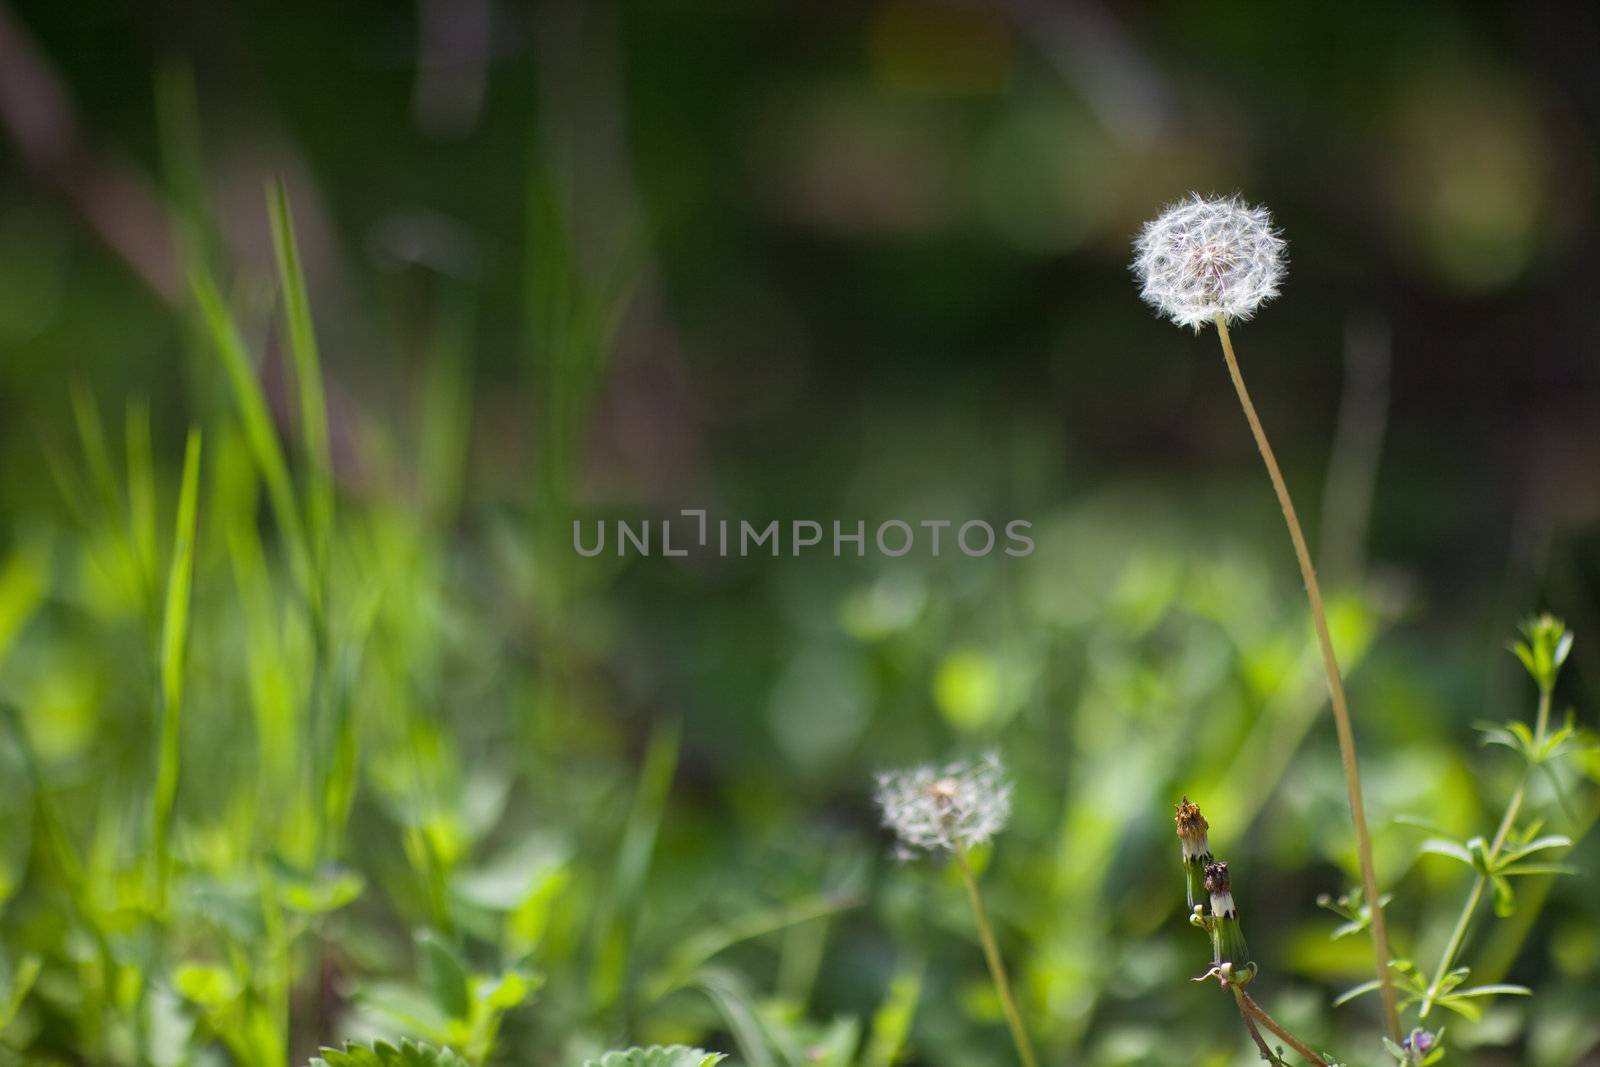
point(997, 966)
point(1341, 710)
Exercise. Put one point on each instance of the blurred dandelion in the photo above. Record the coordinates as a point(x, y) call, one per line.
point(1204, 258)
point(954, 808)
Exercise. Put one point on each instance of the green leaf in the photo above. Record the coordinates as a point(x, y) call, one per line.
point(1355, 991)
point(1522, 869)
point(1523, 734)
point(14, 987)
point(383, 1054)
point(307, 369)
point(507, 991)
point(656, 1056)
point(209, 985)
point(891, 1023)
point(327, 889)
point(1439, 846)
point(1497, 989)
point(1505, 901)
point(1462, 1002)
point(1511, 855)
point(444, 975)
point(174, 643)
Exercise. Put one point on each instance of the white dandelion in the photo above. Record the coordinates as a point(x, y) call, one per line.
point(955, 807)
point(1215, 261)
point(1201, 258)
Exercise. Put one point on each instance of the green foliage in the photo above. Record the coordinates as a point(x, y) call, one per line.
point(657, 1056)
point(382, 1054)
point(1544, 648)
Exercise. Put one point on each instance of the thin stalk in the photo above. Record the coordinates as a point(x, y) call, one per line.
point(1469, 908)
point(1247, 1002)
point(997, 966)
point(1255, 1035)
point(1341, 709)
point(1249, 1018)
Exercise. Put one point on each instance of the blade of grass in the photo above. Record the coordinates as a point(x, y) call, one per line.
point(174, 643)
point(615, 918)
point(102, 474)
point(142, 498)
point(257, 421)
point(183, 163)
point(307, 372)
point(92, 436)
point(739, 1013)
point(446, 412)
point(891, 1023)
point(699, 950)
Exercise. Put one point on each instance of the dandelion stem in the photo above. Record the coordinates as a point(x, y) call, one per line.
point(1248, 1004)
point(1341, 710)
point(1469, 907)
point(1255, 1035)
point(997, 966)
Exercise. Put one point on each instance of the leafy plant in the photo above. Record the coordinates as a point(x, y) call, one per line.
point(382, 1054)
point(658, 1056)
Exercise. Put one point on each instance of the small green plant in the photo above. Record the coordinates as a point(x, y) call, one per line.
point(383, 1054)
point(658, 1056)
point(1515, 850)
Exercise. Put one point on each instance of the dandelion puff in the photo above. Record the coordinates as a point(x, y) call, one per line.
point(1202, 257)
point(1217, 260)
point(956, 807)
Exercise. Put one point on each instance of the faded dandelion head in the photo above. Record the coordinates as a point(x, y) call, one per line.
point(1192, 830)
point(960, 805)
point(1202, 257)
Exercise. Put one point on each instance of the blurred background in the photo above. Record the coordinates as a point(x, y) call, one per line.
point(778, 261)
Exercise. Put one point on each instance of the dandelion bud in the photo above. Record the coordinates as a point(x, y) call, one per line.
point(1227, 938)
point(1192, 834)
point(1202, 258)
point(959, 806)
point(1220, 886)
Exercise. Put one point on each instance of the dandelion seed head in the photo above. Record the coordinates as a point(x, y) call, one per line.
point(1203, 257)
point(960, 805)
